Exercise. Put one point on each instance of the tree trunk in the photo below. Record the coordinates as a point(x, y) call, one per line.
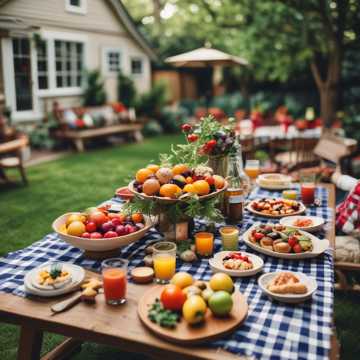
point(329, 99)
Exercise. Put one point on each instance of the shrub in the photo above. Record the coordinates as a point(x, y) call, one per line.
point(150, 103)
point(152, 128)
point(40, 136)
point(94, 93)
point(126, 90)
point(172, 119)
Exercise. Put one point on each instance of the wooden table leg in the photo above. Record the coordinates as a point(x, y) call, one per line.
point(79, 144)
point(30, 343)
point(64, 350)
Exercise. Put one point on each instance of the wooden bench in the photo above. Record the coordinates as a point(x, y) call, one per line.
point(79, 136)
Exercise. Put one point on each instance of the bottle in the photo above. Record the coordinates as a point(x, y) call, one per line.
point(239, 185)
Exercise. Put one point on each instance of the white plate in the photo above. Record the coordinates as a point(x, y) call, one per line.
point(77, 276)
point(280, 181)
point(319, 246)
point(217, 265)
point(311, 284)
point(274, 186)
point(318, 222)
point(249, 207)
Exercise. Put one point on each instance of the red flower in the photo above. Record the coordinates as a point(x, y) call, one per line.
point(186, 128)
point(118, 107)
point(79, 123)
point(211, 143)
point(192, 137)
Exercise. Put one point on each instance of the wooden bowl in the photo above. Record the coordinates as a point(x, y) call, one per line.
point(166, 200)
point(99, 245)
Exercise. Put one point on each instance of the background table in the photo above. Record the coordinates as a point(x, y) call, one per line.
point(272, 330)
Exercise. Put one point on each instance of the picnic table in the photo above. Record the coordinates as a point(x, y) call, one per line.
point(271, 330)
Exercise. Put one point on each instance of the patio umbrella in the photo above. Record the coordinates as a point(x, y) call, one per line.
point(206, 57)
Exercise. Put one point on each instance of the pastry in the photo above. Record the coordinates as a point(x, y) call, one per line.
point(287, 283)
point(88, 295)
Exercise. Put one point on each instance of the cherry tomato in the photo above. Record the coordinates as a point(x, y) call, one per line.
point(172, 297)
point(258, 236)
point(186, 128)
point(292, 241)
point(90, 227)
point(192, 137)
point(297, 248)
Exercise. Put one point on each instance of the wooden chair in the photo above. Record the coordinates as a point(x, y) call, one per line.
point(11, 157)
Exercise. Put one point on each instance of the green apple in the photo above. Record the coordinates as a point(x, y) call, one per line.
point(90, 210)
point(220, 303)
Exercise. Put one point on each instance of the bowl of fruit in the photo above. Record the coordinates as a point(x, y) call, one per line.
point(177, 183)
point(96, 229)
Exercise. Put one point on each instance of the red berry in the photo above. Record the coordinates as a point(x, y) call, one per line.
point(86, 235)
point(192, 137)
point(90, 227)
point(95, 235)
point(186, 128)
point(110, 234)
point(297, 248)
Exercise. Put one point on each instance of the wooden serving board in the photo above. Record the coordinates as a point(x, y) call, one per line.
point(212, 328)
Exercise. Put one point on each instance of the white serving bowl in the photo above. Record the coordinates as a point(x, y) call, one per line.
point(318, 222)
point(216, 264)
point(274, 181)
point(311, 284)
point(103, 244)
point(319, 246)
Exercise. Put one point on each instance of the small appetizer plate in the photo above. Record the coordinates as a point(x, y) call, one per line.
point(309, 282)
point(317, 222)
point(216, 264)
point(319, 246)
point(77, 277)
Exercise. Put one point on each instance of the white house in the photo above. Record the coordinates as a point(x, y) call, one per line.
point(46, 45)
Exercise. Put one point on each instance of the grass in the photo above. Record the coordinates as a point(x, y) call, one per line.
point(82, 180)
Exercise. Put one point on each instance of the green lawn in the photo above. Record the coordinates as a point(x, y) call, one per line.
point(82, 180)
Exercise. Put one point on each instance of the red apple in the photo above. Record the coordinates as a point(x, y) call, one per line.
point(90, 227)
point(110, 234)
point(98, 218)
point(95, 235)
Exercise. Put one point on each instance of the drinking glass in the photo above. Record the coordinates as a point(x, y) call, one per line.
point(114, 273)
point(229, 237)
point(204, 243)
point(252, 169)
point(164, 257)
point(307, 182)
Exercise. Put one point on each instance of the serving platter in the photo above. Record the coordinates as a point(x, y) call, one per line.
point(212, 328)
point(319, 246)
point(77, 277)
point(318, 222)
point(216, 264)
point(249, 207)
point(103, 244)
point(167, 200)
point(280, 182)
point(310, 283)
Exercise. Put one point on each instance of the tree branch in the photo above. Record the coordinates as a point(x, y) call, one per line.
point(316, 73)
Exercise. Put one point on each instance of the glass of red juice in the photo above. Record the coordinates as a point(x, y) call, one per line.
point(114, 273)
point(307, 182)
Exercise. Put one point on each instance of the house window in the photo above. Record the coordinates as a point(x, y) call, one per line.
point(76, 6)
point(68, 63)
point(136, 66)
point(112, 60)
point(42, 65)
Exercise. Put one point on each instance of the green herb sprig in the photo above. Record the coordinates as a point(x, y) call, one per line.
point(165, 318)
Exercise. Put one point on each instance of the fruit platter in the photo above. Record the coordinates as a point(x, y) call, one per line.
point(190, 311)
point(97, 229)
point(276, 208)
point(172, 184)
point(284, 242)
point(236, 263)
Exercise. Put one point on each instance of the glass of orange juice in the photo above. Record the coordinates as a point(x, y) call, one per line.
point(204, 243)
point(252, 169)
point(164, 258)
point(114, 273)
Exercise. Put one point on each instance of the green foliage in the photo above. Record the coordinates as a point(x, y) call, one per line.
point(94, 92)
point(172, 119)
point(229, 103)
point(40, 137)
point(152, 128)
point(351, 124)
point(150, 103)
point(126, 90)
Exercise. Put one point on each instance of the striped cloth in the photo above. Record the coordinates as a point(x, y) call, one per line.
point(271, 330)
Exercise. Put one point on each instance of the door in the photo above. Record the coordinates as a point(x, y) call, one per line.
point(22, 74)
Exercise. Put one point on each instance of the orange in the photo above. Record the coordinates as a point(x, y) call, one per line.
point(143, 174)
point(153, 168)
point(179, 169)
point(189, 188)
point(76, 228)
point(137, 218)
point(189, 180)
point(201, 187)
point(169, 190)
point(151, 187)
point(219, 181)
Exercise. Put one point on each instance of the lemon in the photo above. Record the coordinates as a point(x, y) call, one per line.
point(182, 279)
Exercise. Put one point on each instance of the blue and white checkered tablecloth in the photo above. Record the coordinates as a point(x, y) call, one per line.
point(271, 330)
